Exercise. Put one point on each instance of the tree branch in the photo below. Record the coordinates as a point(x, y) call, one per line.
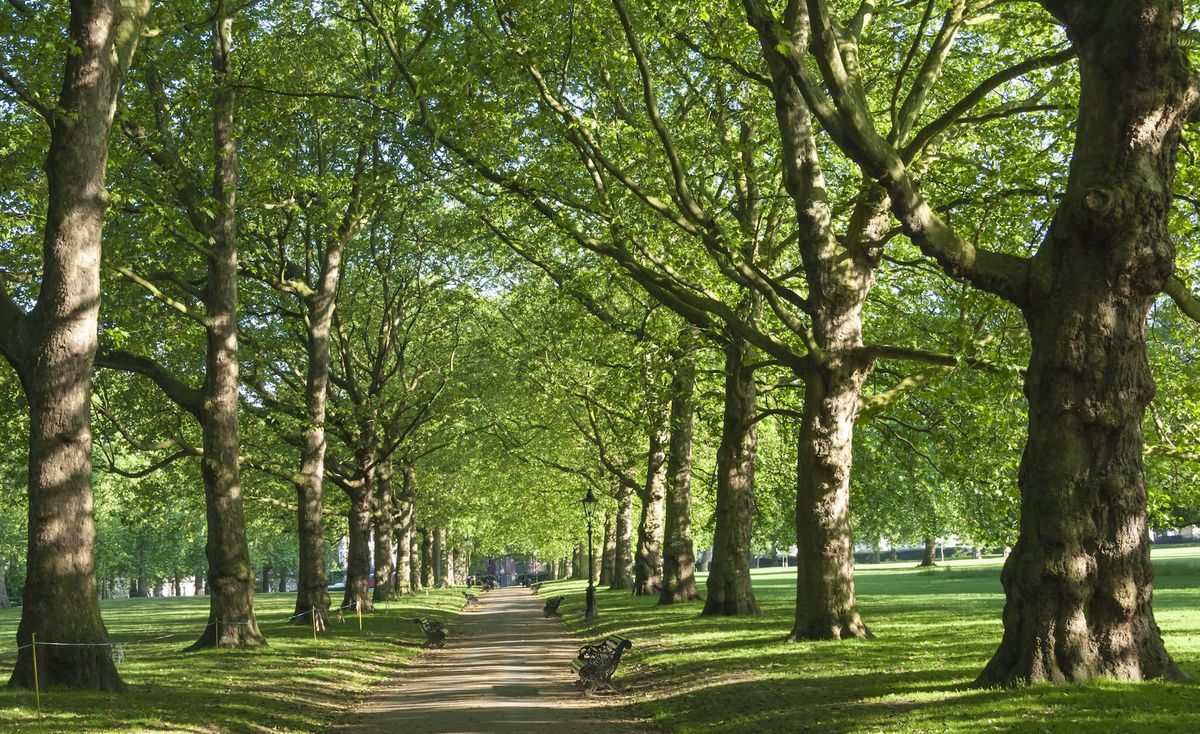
point(185, 396)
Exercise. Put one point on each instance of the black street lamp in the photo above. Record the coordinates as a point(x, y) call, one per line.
point(589, 511)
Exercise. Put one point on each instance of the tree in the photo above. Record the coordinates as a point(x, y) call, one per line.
point(1078, 583)
point(212, 217)
point(52, 347)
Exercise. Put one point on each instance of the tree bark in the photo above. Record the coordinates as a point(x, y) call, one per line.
point(383, 525)
point(459, 564)
point(404, 531)
point(439, 558)
point(729, 588)
point(679, 559)
point(266, 579)
point(426, 558)
point(623, 540)
point(826, 607)
point(1078, 583)
point(647, 564)
point(414, 553)
point(358, 557)
point(579, 562)
point(929, 555)
point(608, 555)
point(53, 349)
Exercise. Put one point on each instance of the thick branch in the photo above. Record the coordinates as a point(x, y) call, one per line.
point(185, 396)
point(1183, 297)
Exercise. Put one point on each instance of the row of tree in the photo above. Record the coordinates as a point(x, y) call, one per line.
point(463, 261)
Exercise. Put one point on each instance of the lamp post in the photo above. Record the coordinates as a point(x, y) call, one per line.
point(589, 511)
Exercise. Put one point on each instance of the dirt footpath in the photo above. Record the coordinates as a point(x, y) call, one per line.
point(505, 668)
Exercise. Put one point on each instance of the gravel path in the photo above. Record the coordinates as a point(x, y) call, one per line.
point(505, 668)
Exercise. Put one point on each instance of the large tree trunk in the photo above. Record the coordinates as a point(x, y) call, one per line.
point(825, 602)
point(578, 562)
point(414, 553)
point(230, 576)
point(647, 563)
point(679, 559)
point(384, 525)
point(459, 565)
point(1078, 583)
point(426, 558)
point(358, 557)
point(439, 558)
point(623, 540)
point(608, 555)
point(312, 577)
point(404, 532)
point(266, 579)
point(929, 554)
point(729, 589)
point(448, 555)
point(53, 350)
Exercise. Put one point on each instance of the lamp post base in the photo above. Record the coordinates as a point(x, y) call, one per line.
point(590, 608)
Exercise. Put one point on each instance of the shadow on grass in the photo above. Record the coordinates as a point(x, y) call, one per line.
point(935, 631)
point(294, 683)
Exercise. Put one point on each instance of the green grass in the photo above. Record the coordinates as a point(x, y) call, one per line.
point(292, 684)
point(935, 630)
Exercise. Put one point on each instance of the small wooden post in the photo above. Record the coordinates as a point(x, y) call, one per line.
point(314, 621)
point(358, 606)
point(218, 637)
point(37, 686)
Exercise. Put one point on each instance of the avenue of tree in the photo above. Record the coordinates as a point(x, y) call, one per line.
point(762, 275)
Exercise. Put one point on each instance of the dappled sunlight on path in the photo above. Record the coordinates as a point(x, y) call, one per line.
point(505, 668)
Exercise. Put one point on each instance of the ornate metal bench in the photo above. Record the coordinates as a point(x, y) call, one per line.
point(536, 587)
point(597, 663)
point(471, 598)
point(435, 632)
point(552, 605)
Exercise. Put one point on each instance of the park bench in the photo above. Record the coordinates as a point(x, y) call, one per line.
point(597, 663)
point(536, 587)
point(471, 598)
point(435, 632)
point(551, 608)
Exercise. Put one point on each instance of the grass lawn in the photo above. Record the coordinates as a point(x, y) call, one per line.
point(293, 684)
point(935, 630)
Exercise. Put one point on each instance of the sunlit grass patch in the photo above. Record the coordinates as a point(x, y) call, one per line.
point(935, 630)
point(292, 684)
